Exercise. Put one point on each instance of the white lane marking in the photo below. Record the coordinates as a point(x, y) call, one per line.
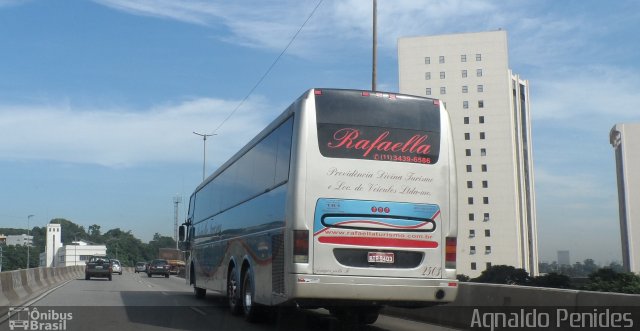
point(198, 311)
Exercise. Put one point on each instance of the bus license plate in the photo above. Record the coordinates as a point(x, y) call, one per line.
point(380, 257)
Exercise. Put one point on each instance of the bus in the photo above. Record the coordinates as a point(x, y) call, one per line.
point(346, 201)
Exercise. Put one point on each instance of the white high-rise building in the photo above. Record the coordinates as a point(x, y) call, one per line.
point(625, 139)
point(489, 109)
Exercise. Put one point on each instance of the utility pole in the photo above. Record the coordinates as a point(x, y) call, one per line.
point(176, 201)
point(374, 71)
point(28, 241)
point(204, 149)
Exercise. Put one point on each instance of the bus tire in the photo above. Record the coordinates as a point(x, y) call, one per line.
point(368, 315)
point(200, 293)
point(233, 292)
point(250, 309)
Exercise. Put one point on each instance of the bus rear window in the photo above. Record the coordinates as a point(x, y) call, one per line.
point(401, 129)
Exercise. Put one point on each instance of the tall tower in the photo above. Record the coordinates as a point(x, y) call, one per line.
point(625, 139)
point(489, 109)
point(54, 243)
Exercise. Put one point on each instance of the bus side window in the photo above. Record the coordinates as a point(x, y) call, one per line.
point(284, 133)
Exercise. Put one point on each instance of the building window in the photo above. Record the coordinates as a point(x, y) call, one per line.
point(467, 136)
point(483, 152)
point(472, 249)
point(481, 119)
point(487, 233)
point(467, 152)
point(487, 249)
point(485, 200)
point(482, 135)
point(480, 104)
point(486, 217)
point(488, 265)
point(463, 58)
point(484, 168)
point(473, 266)
point(478, 57)
point(427, 60)
point(466, 120)
point(469, 168)
point(480, 88)
point(470, 200)
point(478, 72)
point(464, 74)
point(427, 75)
point(469, 184)
point(442, 75)
point(443, 90)
point(441, 59)
point(472, 217)
point(465, 89)
point(485, 184)
point(428, 91)
point(465, 104)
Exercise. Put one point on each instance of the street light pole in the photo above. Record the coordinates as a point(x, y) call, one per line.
point(28, 243)
point(204, 150)
point(374, 69)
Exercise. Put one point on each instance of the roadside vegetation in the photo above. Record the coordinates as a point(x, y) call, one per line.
point(122, 245)
point(600, 279)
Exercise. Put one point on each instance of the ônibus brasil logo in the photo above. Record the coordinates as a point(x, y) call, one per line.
point(25, 318)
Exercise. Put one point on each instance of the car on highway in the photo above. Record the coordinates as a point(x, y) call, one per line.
point(98, 266)
point(159, 267)
point(141, 267)
point(116, 267)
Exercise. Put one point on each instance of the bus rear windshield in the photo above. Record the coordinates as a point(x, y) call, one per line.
point(399, 129)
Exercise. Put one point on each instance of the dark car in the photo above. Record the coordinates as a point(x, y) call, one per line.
point(98, 266)
point(159, 267)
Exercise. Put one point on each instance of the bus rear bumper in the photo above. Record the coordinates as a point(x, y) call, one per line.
point(373, 289)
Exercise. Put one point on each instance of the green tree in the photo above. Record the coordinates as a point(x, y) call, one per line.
point(14, 258)
point(462, 278)
point(95, 235)
point(552, 279)
point(125, 247)
point(608, 280)
point(503, 274)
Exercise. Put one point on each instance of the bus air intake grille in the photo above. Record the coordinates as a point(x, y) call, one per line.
point(277, 268)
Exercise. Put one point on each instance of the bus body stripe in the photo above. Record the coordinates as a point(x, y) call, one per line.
point(373, 242)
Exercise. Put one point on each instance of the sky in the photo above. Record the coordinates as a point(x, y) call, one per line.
point(99, 99)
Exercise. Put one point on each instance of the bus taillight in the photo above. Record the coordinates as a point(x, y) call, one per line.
point(450, 257)
point(301, 246)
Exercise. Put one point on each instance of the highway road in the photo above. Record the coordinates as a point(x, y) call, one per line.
point(135, 302)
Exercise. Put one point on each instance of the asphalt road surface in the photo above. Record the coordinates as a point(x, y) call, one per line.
point(135, 302)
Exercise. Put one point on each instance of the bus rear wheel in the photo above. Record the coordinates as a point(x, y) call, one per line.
point(200, 293)
point(233, 292)
point(252, 311)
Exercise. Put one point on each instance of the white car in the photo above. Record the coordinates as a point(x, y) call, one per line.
point(116, 267)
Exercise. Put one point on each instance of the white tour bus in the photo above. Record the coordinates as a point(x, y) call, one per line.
point(346, 201)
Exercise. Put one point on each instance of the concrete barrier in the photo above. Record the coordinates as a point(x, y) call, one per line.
point(494, 296)
point(19, 286)
point(8, 291)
